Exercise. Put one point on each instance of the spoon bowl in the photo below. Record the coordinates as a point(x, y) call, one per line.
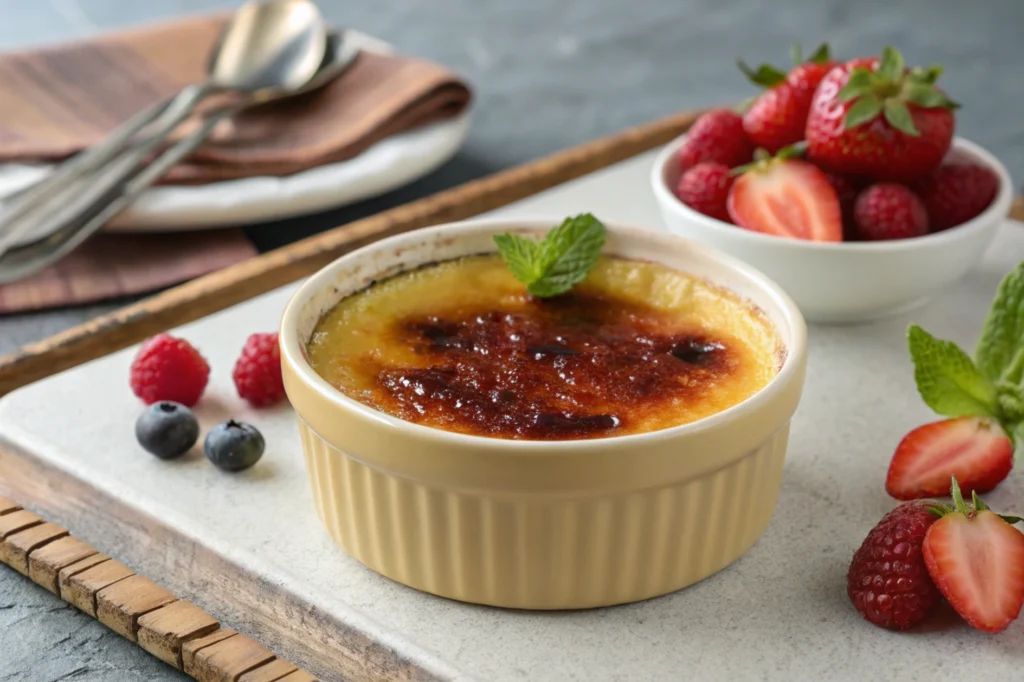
point(269, 47)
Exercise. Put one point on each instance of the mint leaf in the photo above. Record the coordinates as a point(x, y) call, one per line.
point(1000, 350)
point(1017, 436)
point(560, 261)
point(947, 379)
point(521, 255)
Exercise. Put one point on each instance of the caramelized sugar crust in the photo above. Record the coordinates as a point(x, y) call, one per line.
point(461, 346)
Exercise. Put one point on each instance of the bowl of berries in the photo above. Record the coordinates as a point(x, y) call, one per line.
point(843, 182)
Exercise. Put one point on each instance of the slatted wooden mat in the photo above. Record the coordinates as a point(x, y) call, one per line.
point(175, 631)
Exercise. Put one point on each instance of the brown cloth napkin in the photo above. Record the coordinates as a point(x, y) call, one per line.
point(117, 265)
point(56, 101)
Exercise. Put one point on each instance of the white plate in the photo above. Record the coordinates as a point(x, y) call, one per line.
point(387, 165)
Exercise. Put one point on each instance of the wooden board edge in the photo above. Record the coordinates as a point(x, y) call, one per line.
point(232, 285)
point(227, 662)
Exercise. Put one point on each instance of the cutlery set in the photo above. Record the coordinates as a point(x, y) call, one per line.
point(268, 51)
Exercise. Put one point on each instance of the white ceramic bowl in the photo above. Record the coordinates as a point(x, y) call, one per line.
point(541, 524)
point(846, 282)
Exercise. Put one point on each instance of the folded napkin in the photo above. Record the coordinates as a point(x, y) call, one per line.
point(59, 100)
point(56, 101)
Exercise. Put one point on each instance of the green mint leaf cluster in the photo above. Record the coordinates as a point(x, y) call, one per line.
point(991, 384)
point(558, 262)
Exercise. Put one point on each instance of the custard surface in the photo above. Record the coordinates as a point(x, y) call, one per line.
point(461, 346)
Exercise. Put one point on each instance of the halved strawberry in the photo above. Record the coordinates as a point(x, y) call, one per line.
point(786, 197)
point(973, 449)
point(976, 559)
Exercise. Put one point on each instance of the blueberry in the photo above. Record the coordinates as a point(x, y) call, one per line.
point(233, 446)
point(167, 429)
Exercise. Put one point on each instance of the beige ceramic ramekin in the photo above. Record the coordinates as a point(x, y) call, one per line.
point(541, 524)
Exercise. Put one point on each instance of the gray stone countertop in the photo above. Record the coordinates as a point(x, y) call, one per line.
point(548, 74)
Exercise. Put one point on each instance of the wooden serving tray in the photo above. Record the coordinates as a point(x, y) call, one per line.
point(251, 558)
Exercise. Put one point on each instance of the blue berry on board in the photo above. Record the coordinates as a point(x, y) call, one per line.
point(234, 446)
point(167, 429)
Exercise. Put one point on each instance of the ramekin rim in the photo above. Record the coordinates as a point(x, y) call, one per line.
point(292, 351)
point(996, 211)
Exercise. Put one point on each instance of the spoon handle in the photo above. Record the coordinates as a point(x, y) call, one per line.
point(30, 210)
point(119, 186)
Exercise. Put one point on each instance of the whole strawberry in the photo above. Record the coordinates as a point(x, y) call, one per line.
point(257, 372)
point(168, 368)
point(888, 581)
point(778, 117)
point(889, 211)
point(876, 119)
point(718, 137)
point(705, 188)
point(957, 193)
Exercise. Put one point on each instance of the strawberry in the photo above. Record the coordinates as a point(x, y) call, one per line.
point(778, 116)
point(786, 197)
point(957, 193)
point(976, 559)
point(705, 188)
point(889, 211)
point(975, 450)
point(876, 119)
point(888, 581)
point(716, 136)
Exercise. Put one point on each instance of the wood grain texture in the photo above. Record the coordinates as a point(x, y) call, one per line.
point(316, 642)
point(210, 293)
point(80, 589)
point(177, 632)
point(45, 563)
point(229, 659)
point(120, 605)
point(191, 649)
point(271, 672)
point(15, 548)
point(17, 520)
point(162, 632)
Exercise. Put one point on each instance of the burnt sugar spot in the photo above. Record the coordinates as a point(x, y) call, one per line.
point(575, 366)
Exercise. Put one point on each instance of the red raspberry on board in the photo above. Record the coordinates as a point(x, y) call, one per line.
point(168, 368)
point(888, 581)
point(257, 372)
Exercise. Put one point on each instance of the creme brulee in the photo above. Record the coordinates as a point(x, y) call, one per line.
point(461, 346)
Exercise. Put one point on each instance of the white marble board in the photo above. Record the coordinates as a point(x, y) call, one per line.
point(780, 612)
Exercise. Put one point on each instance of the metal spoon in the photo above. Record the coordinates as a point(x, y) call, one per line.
point(268, 49)
point(24, 260)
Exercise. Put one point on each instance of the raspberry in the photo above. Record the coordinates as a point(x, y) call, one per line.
point(257, 373)
point(705, 188)
point(954, 194)
point(168, 368)
point(888, 580)
point(716, 136)
point(889, 211)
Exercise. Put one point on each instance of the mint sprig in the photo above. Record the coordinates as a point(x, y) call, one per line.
point(558, 262)
point(992, 383)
